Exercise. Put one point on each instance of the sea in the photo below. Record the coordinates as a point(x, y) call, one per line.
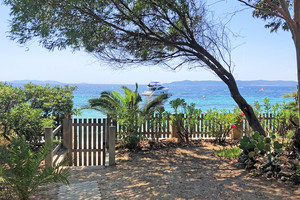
point(204, 95)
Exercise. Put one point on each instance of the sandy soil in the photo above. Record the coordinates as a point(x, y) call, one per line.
point(175, 173)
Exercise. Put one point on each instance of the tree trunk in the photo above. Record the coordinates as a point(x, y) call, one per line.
point(297, 45)
point(245, 107)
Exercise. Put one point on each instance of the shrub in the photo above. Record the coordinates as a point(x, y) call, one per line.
point(21, 169)
point(266, 148)
point(27, 108)
point(186, 121)
point(160, 120)
point(28, 122)
point(221, 123)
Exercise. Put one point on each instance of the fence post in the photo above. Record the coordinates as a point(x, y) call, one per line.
point(175, 126)
point(112, 145)
point(49, 138)
point(237, 132)
point(67, 138)
point(107, 125)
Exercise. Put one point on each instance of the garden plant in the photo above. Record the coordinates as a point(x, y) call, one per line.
point(21, 171)
point(220, 123)
point(186, 120)
point(128, 111)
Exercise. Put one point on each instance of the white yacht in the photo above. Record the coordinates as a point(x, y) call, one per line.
point(154, 89)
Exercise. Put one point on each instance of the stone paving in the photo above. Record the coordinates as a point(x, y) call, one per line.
point(79, 191)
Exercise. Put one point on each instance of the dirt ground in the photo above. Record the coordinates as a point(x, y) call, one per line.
point(175, 173)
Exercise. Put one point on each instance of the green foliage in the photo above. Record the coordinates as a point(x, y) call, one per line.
point(265, 147)
point(268, 13)
point(21, 171)
point(230, 153)
point(131, 31)
point(270, 160)
point(27, 110)
point(283, 115)
point(98, 26)
point(222, 122)
point(186, 121)
point(28, 122)
point(160, 120)
point(54, 101)
point(126, 109)
point(178, 103)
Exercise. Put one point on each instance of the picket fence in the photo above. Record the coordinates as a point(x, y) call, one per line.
point(151, 129)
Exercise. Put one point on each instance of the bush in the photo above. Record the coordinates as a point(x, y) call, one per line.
point(29, 108)
point(21, 170)
point(221, 123)
point(186, 121)
point(266, 148)
point(28, 122)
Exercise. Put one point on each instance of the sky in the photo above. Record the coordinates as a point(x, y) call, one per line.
point(258, 55)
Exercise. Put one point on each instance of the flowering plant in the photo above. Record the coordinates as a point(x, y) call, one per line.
point(220, 123)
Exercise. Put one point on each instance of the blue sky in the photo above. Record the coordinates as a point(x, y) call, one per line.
point(259, 55)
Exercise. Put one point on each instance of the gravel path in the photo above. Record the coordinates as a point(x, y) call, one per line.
point(79, 191)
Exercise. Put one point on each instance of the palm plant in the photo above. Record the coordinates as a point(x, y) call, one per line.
point(127, 110)
point(20, 169)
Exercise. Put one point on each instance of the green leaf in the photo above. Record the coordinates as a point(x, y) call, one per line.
point(277, 145)
point(268, 140)
point(268, 147)
point(261, 146)
point(256, 136)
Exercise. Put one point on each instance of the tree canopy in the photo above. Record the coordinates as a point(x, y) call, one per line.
point(29, 109)
point(276, 13)
point(133, 31)
point(122, 30)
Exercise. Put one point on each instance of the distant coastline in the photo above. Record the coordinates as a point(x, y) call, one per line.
point(175, 83)
point(239, 83)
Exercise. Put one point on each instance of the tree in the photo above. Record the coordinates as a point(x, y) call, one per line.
point(283, 14)
point(27, 110)
point(133, 31)
point(126, 109)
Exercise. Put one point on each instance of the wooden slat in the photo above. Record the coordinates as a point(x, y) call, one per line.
point(57, 148)
point(101, 140)
point(168, 127)
point(80, 143)
point(87, 150)
point(85, 143)
point(144, 128)
point(90, 135)
point(88, 124)
point(75, 142)
point(94, 141)
point(57, 130)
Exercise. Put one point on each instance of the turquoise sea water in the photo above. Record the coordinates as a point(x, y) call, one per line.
point(204, 97)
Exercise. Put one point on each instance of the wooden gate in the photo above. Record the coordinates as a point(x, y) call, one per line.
point(88, 145)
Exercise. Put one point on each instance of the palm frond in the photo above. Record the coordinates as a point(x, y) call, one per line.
point(159, 100)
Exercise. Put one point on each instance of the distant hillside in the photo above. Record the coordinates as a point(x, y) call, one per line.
point(176, 83)
point(240, 83)
point(22, 82)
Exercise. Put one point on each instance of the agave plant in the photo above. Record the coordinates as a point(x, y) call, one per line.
point(127, 110)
